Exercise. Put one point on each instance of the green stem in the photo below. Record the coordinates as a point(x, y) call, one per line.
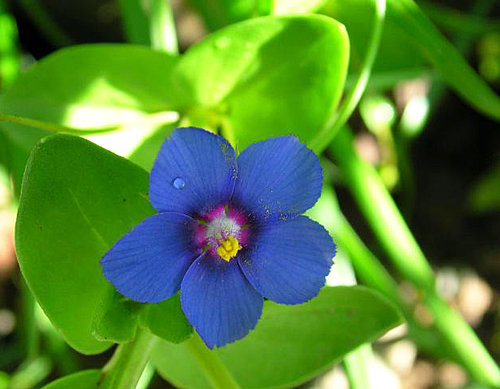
point(382, 213)
point(469, 348)
point(215, 371)
point(126, 366)
point(134, 22)
point(371, 272)
point(162, 27)
point(455, 21)
point(146, 376)
point(357, 362)
point(368, 268)
point(392, 232)
point(52, 127)
point(339, 118)
point(357, 365)
point(43, 20)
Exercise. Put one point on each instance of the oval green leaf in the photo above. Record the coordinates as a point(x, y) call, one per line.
point(167, 321)
point(269, 75)
point(116, 318)
point(89, 87)
point(290, 344)
point(77, 200)
point(87, 379)
point(92, 87)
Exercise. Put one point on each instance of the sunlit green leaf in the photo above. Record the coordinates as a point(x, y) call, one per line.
point(93, 86)
point(269, 76)
point(283, 7)
point(145, 154)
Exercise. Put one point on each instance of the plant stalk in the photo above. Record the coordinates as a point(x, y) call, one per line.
point(125, 368)
point(52, 127)
point(324, 137)
point(392, 232)
point(208, 360)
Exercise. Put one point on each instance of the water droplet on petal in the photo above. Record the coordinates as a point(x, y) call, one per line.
point(178, 183)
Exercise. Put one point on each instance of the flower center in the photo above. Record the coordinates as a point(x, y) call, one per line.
point(223, 232)
point(228, 248)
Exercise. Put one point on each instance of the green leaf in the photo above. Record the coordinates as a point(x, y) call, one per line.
point(77, 200)
point(269, 75)
point(87, 379)
point(290, 344)
point(167, 321)
point(93, 86)
point(145, 154)
point(116, 318)
point(283, 7)
point(295, 83)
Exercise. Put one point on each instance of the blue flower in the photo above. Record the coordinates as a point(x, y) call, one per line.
point(228, 234)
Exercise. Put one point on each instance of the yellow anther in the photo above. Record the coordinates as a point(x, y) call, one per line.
point(227, 245)
point(228, 248)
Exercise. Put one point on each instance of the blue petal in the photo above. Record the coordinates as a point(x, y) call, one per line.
point(149, 262)
point(194, 172)
point(219, 301)
point(288, 261)
point(277, 178)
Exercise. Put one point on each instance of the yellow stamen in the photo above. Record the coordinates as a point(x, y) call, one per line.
point(228, 248)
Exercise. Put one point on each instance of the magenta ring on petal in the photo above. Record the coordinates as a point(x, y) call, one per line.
point(229, 232)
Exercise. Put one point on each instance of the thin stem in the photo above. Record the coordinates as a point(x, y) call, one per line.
point(52, 127)
point(466, 343)
point(462, 42)
point(126, 366)
point(454, 21)
point(382, 213)
point(392, 232)
point(368, 268)
point(134, 22)
point(162, 26)
point(357, 362)
point(146, 377)
point(43, 20)
point(324, 137)
point(215, 371)
point(357, 365)
point(370, 271)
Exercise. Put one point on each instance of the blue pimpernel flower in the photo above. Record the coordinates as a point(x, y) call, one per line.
point(228, 234)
